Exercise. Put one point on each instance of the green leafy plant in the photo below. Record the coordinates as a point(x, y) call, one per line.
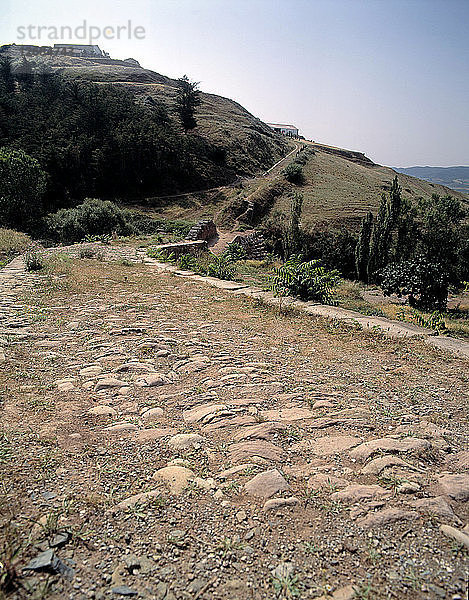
point(221, 267)
point(305, 280)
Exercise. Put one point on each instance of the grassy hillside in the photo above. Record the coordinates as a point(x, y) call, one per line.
point(337, 190)
point(456, 178)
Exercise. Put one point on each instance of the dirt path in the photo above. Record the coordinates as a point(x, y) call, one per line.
point(176, 441)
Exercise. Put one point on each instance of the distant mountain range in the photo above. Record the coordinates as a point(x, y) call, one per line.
point(456, 178)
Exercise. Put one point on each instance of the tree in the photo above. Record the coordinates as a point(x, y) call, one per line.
point(362, 250)
point(381, 234)
point(424, 282)
point(22, 186)
point(442, 234)
point(187, 100)
point(6, 73)
point(292, 236)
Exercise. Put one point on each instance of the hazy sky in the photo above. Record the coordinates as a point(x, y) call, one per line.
point(387, 77)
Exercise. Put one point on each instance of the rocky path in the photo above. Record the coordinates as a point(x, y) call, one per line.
point(162, 439)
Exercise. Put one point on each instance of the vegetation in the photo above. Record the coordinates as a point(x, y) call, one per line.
point(294, 173)
point(93, 217)
point(97, 141)
point(416, 249)
point(187, 100)
point(205, 263)
point(22, 186)
point(12, 243)
point(424, 282)
point(305, 280)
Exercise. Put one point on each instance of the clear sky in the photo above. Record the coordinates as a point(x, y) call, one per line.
point(386, 77)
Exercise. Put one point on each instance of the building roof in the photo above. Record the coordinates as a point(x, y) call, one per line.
point(283, 125)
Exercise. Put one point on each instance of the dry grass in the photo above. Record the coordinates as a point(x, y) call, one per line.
point(12, 243)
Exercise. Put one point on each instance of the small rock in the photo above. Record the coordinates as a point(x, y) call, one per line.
point(408, 487)
point(90, 371)
point(123, 590)
point(59, 539)
point(103, 409)
point(455, 486)
point(152, 414)
point(241, 516)
point(108, 383)
point(48, 561)
point(276, 503)
point(152, 380)
point(460, 536)
point(386, 516)
point(177, 478)
point(182, 441)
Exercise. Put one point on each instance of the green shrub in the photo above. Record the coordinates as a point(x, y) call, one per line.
point(221, 267)
point(34, 258)
point(424, 282)
point(235, 252)
point(294, 173)
point(305, 280)
point(92, 218)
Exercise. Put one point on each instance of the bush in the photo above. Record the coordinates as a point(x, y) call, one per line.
point(22, 185)
point(33, 258)
point(12, 243)
point(92, 218)
point(294, 173)
point(424, 282)
point(305, 280)
point(221, 267)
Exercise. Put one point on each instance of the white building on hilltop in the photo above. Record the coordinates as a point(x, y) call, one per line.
point(288, 130)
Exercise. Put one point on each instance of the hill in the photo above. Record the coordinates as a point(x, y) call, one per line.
point(224, 155)
point(456, 178)
point(241, 143)
point(339, 188)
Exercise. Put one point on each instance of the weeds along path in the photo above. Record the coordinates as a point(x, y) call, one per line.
point(165, 439)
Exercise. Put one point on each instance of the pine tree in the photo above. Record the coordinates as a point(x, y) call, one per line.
point(187, 100)
point(362, 250)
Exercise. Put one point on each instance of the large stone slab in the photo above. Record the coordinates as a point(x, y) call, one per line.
point(262, 431)
point(329, 445)
point(288, 414)
point(391, 445)
point(198, 413)
point(243, 450)
point(266, 484)
point(386, 517)
point(357, 493)
point(455, 486)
